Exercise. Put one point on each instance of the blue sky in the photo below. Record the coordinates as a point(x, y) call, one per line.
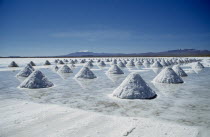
point(59, 27)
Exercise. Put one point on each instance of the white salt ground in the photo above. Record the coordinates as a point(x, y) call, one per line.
point(26, 119)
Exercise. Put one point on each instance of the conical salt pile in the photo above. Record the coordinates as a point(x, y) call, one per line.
point(168, 75)
point(120, 64)
point(198, 65)
point(85, 73)
point(101, 63)
point(179, 71)
point(114, 62)
point(29, 65)
point(25, 72)
point(134, 87)
point(156, 64)
point(88, 64)
point(36, 80)
point(138, 63)
point(163, 63)
point(65, 69)
point(130, 63)
point(32, 63)
point(114, 69)
point(55, 68)
point(13, 64)
point(146, 63)
point(47, 63)
point(60, 62)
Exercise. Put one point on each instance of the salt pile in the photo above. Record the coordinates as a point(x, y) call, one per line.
point(60, 62)
point(146, 63)
point(65, 69)
point(130, 63)
point(163, 63)
point(156, 64)
point(179, 71)
point(168, 75)
point(25, 72)
point(114, 62)
point(88, 64)
point(47, 63)
point(36, 80)
point(101, 63)
point(13, 64)
point(138, 63)
point(55, 68)
point(85, 73)
point(120, 64)
point(198, 65)
point(32, 63)
point(29, 65)
point(134, 87)
point(114, 69)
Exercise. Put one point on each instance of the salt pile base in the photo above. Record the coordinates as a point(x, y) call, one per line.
point(134, 87)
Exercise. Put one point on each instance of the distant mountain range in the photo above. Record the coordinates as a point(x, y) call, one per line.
point(176, 53)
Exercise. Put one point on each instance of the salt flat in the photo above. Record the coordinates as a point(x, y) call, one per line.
point(26, 119)
point(85, 108)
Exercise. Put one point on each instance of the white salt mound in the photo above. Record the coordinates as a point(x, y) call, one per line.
point(168, 75)
point(130, 63)
point(179, 71)
point(47, 63)
point(65, 69)
point(36, 80)
point(134, 87)
point(55, 68)
point(114, 69)
point(32, 63)
point(29, 65)
point(198, 65)
point(101, 63)
point(85, 73)
point(120, 64)
point(25, 72)
point(13, 64)
point(156, 64)
point(88, 64)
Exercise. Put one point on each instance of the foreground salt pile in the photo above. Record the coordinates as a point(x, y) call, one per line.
point(36, 80)
point(179, 71)
point(134, 87)
point(13, 64)
point(114, 69)
point(25, 72)
point(85, 73)
point(65, 69)
point(168, 75)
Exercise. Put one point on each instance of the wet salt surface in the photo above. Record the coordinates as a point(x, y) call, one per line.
point(186, 103)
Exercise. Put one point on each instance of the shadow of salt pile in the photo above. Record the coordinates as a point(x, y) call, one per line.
point(167, 89)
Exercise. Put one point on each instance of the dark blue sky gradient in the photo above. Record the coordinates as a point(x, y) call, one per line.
point(58, 27)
